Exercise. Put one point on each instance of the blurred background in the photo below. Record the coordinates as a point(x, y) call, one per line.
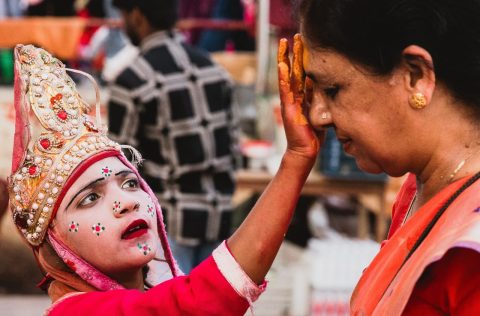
point(343, 213)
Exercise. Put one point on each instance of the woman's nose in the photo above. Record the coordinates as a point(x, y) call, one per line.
point(122, 207)
point(319, 115)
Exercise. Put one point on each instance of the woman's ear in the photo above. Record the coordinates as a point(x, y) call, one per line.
point(419, 75)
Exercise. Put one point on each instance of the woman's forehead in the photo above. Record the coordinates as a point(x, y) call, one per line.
point(326, 65)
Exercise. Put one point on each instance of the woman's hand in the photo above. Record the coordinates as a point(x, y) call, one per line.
point(294, 96)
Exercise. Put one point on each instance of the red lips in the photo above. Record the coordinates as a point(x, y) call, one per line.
point(136, 229)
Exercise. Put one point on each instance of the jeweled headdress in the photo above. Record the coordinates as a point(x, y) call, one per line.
point(53, 135)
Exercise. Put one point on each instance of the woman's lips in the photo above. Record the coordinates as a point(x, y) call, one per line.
point(136, 229)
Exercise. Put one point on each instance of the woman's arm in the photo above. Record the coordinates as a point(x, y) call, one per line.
point(256, 242)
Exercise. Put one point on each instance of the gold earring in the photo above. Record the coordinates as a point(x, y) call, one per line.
point(417, 100)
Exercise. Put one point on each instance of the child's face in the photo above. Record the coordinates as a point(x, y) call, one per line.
point(108, 220)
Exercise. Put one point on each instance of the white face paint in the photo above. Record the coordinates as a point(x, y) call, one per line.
point(104, 219)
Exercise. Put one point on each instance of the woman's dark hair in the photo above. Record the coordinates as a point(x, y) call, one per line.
point(161, 14)
point(375, 32)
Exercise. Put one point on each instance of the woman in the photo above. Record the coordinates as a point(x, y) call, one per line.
point(398, 81)
point(96, 227)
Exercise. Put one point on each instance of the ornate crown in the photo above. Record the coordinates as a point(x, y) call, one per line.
point(64, 136)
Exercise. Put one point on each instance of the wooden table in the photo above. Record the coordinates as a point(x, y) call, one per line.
point(370, 191)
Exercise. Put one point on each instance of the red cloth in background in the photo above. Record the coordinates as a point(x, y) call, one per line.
point(281, 15)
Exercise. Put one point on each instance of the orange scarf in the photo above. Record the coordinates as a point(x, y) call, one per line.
point(386, 285)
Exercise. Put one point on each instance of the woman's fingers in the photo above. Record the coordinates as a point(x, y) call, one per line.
point(298, 74)
point(284, 84)
point(286, 95)
point(282, 56)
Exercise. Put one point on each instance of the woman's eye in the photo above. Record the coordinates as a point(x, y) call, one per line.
point(130, 184)
point(331, 92)
point(89, 199)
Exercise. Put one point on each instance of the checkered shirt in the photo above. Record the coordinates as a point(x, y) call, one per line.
point(175, 106)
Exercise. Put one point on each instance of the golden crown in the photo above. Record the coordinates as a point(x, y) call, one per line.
point(64, 137)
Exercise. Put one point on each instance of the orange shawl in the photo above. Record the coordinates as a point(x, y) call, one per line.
point(386, 285)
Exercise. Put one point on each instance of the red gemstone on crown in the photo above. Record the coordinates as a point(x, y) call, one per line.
point(45, 143)
point(62, 115)
point(32, 170)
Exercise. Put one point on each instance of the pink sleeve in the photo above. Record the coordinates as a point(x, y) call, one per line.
point(204, 292)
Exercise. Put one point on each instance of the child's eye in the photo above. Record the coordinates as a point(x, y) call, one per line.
point(130, 184)
point(89, 199)
point(331, 92)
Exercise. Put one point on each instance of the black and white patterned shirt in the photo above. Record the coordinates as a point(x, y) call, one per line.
point(175, 106)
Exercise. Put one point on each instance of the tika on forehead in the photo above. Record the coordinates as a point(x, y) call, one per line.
point(53, 135)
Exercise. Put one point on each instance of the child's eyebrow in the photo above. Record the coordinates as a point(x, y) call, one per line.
point(124, 172)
